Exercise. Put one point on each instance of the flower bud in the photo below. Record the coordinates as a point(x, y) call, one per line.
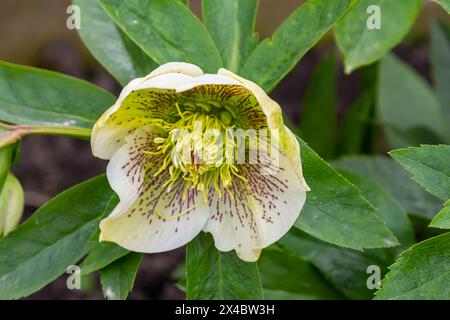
point(11, 205)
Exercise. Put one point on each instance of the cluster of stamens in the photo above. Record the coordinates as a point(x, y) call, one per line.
point(196, 146)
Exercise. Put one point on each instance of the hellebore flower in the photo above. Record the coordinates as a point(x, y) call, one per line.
point(169, 138)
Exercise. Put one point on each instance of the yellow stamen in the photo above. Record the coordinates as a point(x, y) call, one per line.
point(192, 155)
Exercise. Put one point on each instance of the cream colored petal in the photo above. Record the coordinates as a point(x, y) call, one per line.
point(261, 211)
point(129, 166)
point(106, 139)
point(269, 106)
point(108, 136)
point(158, 220)
point(286, 196)
point(291, 147)
point(272, 110)
point(176, 67)
point(181, 82)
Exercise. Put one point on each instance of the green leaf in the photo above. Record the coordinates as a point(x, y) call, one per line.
point(445, 4)
point(393, 179)
point(421, 272)
point(407, 108)
point(357, 127)
point(231, 25)
point(273, 58)
point(356, 124)
point(286, 276)
point(335, 210)
point(39, 97)
point(429, 166)
point(440, 61)
point(12, 203)
point(55, 237)
point(318, 125)
point(389, 211)
point(179, 276)
point(442, 219)
point(102, 255)
point(15, 154)
point(362, 46)
point(166, 30)
point(215, 275)
point(110, 46)
point(117, 279)
point(345, 269)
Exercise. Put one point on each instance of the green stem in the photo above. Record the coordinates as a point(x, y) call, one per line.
point(13, 133)
point(81, 133)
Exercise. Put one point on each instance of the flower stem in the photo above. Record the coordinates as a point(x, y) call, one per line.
point(13, 133)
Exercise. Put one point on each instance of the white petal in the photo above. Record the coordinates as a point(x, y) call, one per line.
point(256, 218)
point(273, 112)
point(291, 147)
point(106, 139)
point(130, 165)
point(176, 67)
point(158, 220)
point(271, 108)
point(181, 82)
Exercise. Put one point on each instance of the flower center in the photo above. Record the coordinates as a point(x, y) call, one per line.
point(198, 146)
